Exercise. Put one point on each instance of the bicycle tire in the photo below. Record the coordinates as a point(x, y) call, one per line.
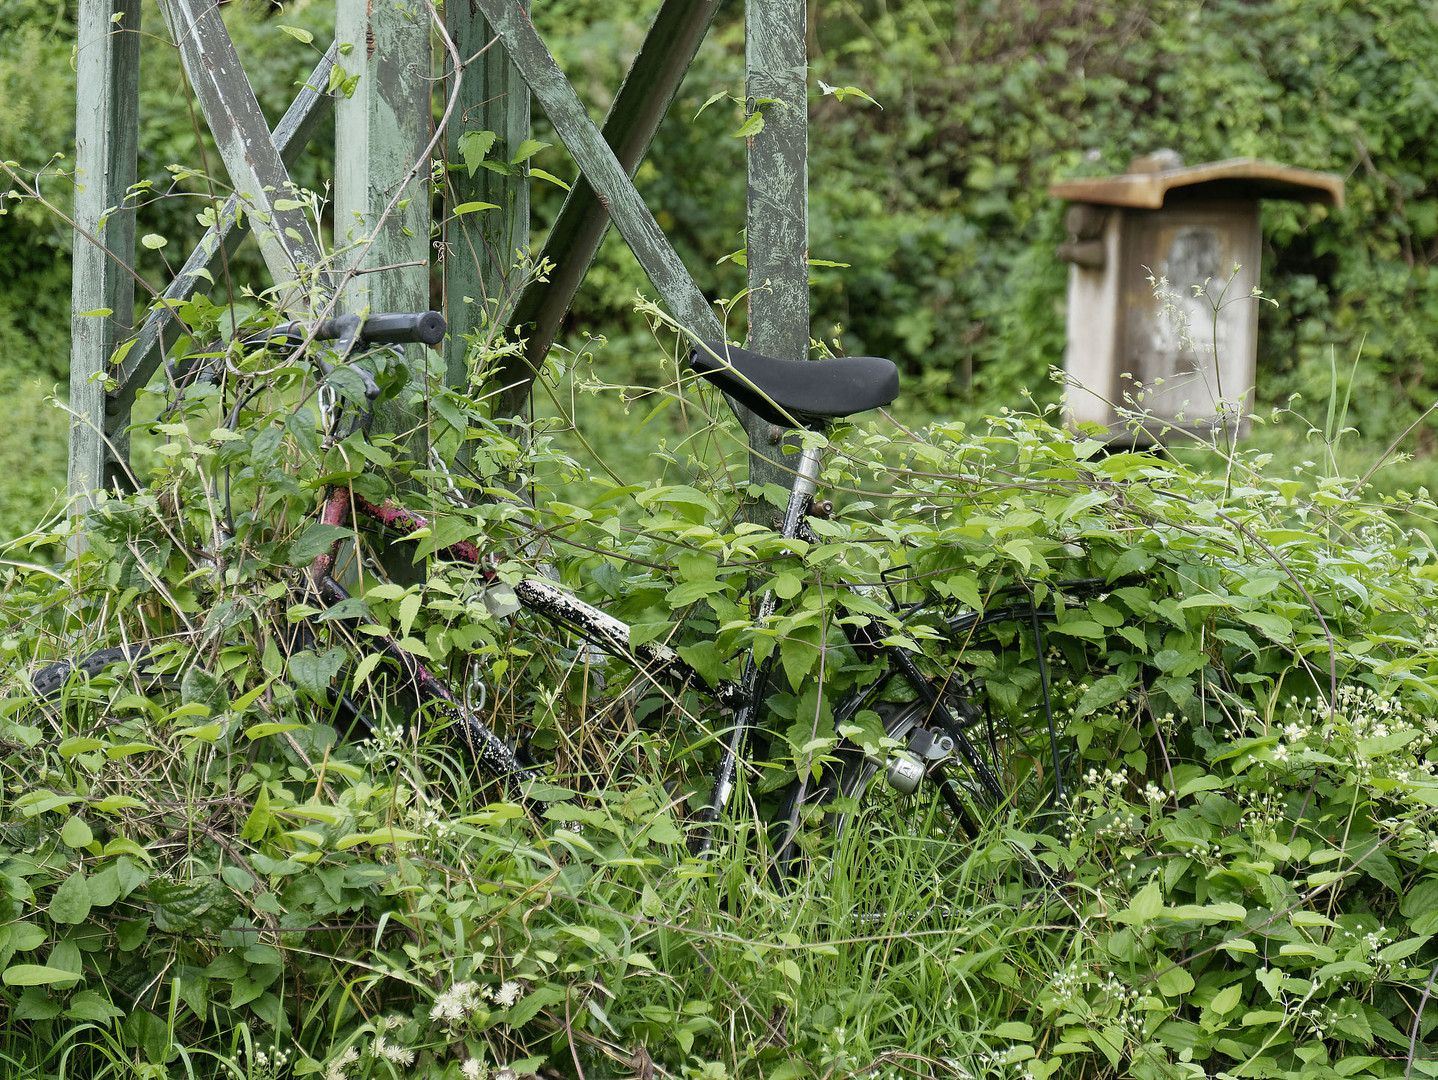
point(351, 723)
point(997, 766)
point(49, 681)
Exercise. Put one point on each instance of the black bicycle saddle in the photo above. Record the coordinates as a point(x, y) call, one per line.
point(809, 392)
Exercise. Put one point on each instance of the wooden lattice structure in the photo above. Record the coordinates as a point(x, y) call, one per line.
point(384, 144)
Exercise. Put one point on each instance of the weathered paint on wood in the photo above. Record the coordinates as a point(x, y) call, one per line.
point(107, 64)
point(629, 128)
point(482, 249)
point(611, 182)
point(158, 330)
point(777, 222)
point(257, 172)
point(382, 183)
point(382, 213)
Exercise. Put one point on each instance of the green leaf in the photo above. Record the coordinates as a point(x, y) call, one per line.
point(35, 1004)
point(298, 33)
point(1274, 627)
point(527, 1007)
point(79, 744)
point(688, 502)
point(105, 885)
point(1131, 560)
point(315, 541)
point(703, 657)
point(71, 903)
point(182, 905)
point(473, 145)
point(1175, 982)
point(25, 937)
point(527, 149)
point(243, 991)
point(474, 208)
point(76, 834)
point(839, 93)
point(710, 100)
point(799, 652)
point(259, 731)
point(536, 173)
point(409, 611)
point(1226, 999)
point(1146, 906)
point(1084, 501)
point(752, 125)
point(38, 975)
point(1103, 691)
point(351, 607)
point(690, 591)
point(312, 672)
point(92, 1005)
point(200, 687)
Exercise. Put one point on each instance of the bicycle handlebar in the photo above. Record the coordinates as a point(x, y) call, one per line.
point(387, 328)
point(390, 328)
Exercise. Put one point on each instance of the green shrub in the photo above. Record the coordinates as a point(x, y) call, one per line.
point(199, 874)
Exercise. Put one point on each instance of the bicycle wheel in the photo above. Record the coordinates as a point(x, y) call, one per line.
point(49, 681)
point(943, 775)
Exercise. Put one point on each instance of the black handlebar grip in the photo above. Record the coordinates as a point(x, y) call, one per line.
point(425, 326)
point(391, 328)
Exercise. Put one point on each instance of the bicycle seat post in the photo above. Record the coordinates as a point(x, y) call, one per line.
point(756, 675)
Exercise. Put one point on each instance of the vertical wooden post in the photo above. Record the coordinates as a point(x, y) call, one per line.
point(381, 133)
point(107, 107)
point(776, 71)
point(481, 248)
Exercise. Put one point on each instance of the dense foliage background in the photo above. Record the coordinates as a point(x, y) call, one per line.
point(937, 202)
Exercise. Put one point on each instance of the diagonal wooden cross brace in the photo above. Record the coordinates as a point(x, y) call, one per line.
point(257, 171)
point(609, 179)
point(140, 361)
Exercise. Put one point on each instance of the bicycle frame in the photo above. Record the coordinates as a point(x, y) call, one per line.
point(657, 662)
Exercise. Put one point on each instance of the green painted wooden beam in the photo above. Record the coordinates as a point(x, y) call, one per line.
point(608, 177)
point(107, 104)
point(482, 249)
point(382, 215)
point(382, 186)
point(634, 117)
point(159, 329)
point(257, 171)
point(777, 222)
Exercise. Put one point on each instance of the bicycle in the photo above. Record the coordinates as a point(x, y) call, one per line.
point(936, 736)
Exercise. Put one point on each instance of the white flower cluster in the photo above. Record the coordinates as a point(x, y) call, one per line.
point(271, 1063)
point(1091, 812)
point(433, 823)
point(1371, 942)
point(385, 740)
point(1132, 1006)
point(395, 1055)
point(1067, 985)
point(338, 1069)
point(456, 1004)
point(1263, 812)
point(473, 1069)
point(463, 999)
